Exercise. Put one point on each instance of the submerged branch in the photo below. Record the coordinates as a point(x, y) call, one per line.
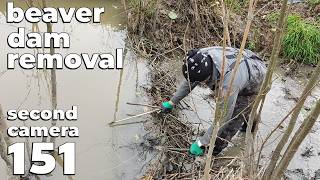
point(4, 143)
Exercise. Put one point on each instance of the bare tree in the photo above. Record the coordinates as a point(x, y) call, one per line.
point(53, 77)
point(222, 98)
point(218, 111)
point(266, 85)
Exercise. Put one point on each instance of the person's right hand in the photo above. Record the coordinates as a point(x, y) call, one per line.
point(196, 150)
point(167, 106)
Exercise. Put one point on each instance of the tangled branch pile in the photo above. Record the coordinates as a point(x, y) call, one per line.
point(170, 135)
point(160, 26)
point(164, 30)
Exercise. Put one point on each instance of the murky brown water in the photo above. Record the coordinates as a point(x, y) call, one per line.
point(101, 152)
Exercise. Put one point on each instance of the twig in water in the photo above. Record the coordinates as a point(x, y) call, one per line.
point(138, 104)
point(138, 115)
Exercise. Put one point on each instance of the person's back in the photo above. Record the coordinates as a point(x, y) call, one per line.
point(255, 68)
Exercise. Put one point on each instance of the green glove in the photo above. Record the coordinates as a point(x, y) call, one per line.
point(166, 106)
point(196, 150)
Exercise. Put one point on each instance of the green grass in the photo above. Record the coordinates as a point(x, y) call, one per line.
point(301, 42)
point(251, 45)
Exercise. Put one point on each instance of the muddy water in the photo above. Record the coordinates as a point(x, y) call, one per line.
point(102, 152)
point(279, 101)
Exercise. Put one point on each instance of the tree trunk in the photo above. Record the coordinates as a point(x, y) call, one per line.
point(53, 77)
point(220, 111)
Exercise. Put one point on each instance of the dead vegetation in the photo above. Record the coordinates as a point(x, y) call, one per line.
point(168, 134)
point(171, 135)
point(176, 26)
point(159, 35)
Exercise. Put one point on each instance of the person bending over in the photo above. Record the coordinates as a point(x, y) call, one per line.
point(205, 66)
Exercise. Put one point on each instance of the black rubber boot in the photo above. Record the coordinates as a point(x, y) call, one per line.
point(244, 127)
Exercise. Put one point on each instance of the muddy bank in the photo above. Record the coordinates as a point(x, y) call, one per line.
point(176, 26)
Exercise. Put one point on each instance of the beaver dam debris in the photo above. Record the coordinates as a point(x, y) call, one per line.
point(171, 136)
point(156, 37)
point(198, 24)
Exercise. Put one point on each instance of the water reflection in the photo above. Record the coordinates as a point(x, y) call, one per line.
point(102, 152)
point(113, 16)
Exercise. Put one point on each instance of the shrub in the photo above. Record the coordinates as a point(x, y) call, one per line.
point(301, 42)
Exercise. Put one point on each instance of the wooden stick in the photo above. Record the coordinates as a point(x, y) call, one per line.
point(127, 123)
point(138, 104)
point(178, 149)
point(138, 115)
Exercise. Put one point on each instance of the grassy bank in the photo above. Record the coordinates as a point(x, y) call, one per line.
point(301, 41)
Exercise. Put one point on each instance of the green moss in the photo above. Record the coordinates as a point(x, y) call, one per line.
point(301, 42)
